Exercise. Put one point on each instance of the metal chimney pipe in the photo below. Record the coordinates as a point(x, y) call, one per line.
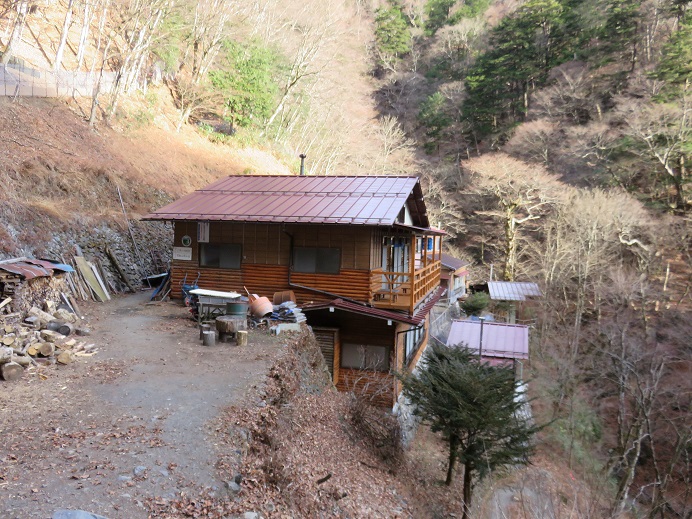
point(302, 164)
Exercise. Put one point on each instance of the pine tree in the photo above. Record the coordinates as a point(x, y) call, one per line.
point(621, 30)
point(675, 66)
point(392, 35)
point(475, 408)
point(437, 12)
point(525, 46)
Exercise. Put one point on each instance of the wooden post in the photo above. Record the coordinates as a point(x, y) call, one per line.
point(412, 276)
point(203, 328)
point(241, 338)
point(209, 338)
point(117, 266)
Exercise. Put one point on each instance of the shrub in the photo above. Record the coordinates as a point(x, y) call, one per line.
point(476, 303)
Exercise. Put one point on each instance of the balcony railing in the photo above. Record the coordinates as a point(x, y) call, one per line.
point(401, 290)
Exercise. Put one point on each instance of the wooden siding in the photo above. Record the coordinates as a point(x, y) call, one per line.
point(265, 280)
point(266, 258)
point(352, 284)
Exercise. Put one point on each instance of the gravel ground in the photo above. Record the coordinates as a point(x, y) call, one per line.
point(130, 423)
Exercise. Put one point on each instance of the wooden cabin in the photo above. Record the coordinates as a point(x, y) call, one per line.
point(358, 252)
point(453, 276)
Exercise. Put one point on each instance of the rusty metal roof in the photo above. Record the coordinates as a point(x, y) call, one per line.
point(30, 268)
point(452, 263)
point(362, 200)
point(378, 313)
point(512, 290)
point(499, 339)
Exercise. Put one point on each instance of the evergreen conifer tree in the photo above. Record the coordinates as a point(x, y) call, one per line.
point(475, 407)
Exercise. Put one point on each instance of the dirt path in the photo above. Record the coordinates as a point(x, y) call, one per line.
point(128, 424)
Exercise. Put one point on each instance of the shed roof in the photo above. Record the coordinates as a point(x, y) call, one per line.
point(453, 263)
point(349, 306)
point(512, 291)
point(30, 268)
point(499, 339)
point(361, 200)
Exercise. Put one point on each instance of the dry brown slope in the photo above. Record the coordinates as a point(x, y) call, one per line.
point(56, 172)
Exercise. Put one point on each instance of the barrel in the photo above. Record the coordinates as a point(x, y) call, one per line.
point(282, 297)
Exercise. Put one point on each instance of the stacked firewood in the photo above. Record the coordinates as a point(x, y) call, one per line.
point(44, 337)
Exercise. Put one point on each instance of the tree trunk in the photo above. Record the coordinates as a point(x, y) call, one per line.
point(84, 34)
point(453, 445)
point(97, 88)
point(11, 371)
point(466, 504)
point(22, 11)
point(63, 36)
point(209, 338)
point(510, 248)
point(5, 354)
point(46, 349)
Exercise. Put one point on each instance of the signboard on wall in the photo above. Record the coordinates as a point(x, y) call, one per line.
point(182, 253)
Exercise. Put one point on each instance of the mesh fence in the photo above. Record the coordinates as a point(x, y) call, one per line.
point(21, 81)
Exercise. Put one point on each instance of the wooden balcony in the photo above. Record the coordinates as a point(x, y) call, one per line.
point(402, 290)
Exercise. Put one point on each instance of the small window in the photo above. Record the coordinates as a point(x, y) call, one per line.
point(316, 260)
point(364, 356)
point(226, 256)
point(414, 338)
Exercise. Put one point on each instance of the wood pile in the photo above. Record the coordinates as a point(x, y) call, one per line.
point(42, 338)
point(90, 281)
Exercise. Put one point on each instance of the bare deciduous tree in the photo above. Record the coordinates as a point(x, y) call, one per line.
point(522, 193)
point(63, 36)
point(664, 132)
point(21, 9)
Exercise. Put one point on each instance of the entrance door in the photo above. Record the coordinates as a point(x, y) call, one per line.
point(330, 346)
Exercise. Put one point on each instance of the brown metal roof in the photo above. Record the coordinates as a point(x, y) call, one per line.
point(300, 199)
point(350, 306)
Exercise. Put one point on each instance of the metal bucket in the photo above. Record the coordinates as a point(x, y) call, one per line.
point(237, 308)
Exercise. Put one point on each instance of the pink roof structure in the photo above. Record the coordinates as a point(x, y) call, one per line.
point(500, 340)
point(373, 200)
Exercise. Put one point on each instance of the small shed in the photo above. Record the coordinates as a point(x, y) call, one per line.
point(453, 276)
point(512, 292)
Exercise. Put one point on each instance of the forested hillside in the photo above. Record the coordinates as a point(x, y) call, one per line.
point(553, 138)
point(556, 137)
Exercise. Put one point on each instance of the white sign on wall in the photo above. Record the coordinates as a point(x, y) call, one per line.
point(182, 253)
